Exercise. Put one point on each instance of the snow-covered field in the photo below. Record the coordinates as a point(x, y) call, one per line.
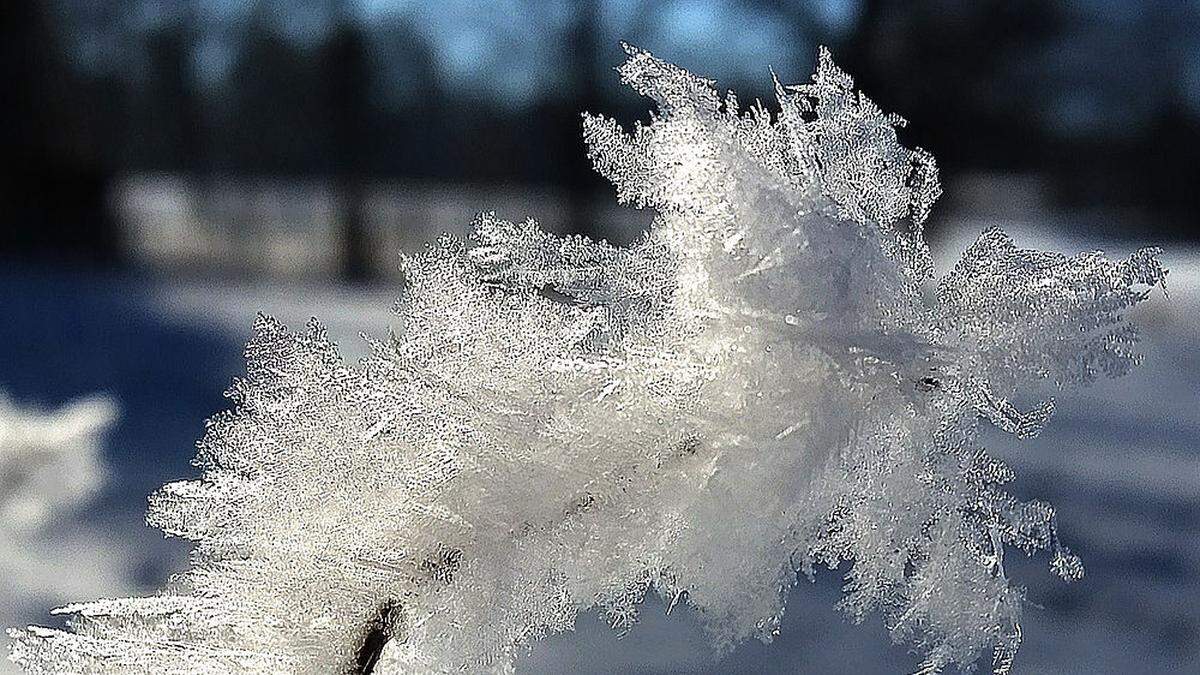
point(1121, 461)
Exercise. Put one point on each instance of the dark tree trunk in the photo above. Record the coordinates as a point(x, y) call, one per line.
point(54, 191)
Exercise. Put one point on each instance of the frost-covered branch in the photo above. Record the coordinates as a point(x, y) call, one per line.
point(766, 382)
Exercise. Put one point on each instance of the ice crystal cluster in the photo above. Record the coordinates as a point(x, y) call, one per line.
point(49, 462)
point(768, 381)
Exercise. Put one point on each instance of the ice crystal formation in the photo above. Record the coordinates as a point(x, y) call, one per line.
point(49, 462)
point(768, 381)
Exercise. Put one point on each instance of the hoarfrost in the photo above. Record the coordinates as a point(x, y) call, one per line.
point(768, 381)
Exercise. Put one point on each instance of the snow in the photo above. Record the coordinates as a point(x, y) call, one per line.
point(50, 471)
point(677, 330)
point(1135, 522)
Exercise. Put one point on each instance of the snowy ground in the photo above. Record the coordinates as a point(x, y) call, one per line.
point(1121, 461)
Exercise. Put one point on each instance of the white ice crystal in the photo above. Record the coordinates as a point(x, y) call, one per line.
point(768, 381)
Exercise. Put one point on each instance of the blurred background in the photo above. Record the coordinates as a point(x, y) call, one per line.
point(169, 168)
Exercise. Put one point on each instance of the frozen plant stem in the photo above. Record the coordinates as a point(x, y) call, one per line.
point(769, 380)
point(377, 636)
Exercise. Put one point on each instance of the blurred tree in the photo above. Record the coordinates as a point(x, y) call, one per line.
point(407, 101)
point(54, 187)
point(910, 54)
point(1015, 67)
point(346, 79)
point(278, 123)
point(165, 116)
point(582, 62)
point(460, 92)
